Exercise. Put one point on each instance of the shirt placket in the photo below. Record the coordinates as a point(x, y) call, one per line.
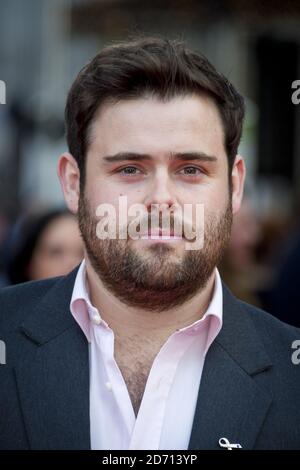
point(150, 419)
point(115, 382)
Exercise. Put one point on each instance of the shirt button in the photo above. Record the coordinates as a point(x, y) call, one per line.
point(96, 319)
point(108, 386)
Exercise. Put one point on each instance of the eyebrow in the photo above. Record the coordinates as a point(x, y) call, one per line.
point(133, 156)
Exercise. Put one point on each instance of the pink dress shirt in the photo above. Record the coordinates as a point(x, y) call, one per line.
point(165, 417)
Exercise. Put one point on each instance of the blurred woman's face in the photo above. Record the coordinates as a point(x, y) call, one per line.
point(58, 250)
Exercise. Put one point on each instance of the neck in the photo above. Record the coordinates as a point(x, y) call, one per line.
point(127, 321)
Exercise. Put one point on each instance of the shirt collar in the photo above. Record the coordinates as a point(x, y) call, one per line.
point(83, 311)
point(211, 322)
point(80, 304)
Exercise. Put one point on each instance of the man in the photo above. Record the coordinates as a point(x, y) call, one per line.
point(142, 346)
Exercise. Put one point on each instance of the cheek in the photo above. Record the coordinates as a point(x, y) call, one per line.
point(215, 199)
point(112, 201)
point(105, 192)
point(98, 193)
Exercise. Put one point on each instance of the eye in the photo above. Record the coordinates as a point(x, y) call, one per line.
point(191, 171)
point(129, 170)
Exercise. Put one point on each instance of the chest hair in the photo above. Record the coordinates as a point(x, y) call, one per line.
point(135, 357)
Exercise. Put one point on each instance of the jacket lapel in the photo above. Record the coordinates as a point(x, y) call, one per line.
point(230, 402)
point(53, 374)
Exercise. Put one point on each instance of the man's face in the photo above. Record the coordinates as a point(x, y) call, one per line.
point(150, 273)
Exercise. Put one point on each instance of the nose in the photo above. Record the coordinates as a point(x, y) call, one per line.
point(161, 192)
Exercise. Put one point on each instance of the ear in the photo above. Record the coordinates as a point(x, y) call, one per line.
point(238, 176)
point(69, 176)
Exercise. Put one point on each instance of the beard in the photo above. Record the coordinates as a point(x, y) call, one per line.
point(154, 279)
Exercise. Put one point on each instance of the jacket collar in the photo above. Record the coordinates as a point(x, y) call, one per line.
point(52, 316)
point(53, 374)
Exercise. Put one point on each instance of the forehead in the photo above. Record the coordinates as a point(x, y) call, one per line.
point(153, 126)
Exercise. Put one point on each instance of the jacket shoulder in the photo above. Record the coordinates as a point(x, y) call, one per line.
point(269, 323)
point(279, 339)
point(17, 301)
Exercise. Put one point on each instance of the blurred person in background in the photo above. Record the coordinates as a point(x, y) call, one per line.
point(239, 267)
point(282, 297)
point(42, 245)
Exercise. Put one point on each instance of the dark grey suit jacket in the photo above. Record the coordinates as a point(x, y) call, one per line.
point(249, 392)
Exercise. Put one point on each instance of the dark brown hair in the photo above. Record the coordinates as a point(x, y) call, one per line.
point(148, 67)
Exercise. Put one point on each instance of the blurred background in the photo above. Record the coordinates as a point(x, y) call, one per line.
point(43, 45)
